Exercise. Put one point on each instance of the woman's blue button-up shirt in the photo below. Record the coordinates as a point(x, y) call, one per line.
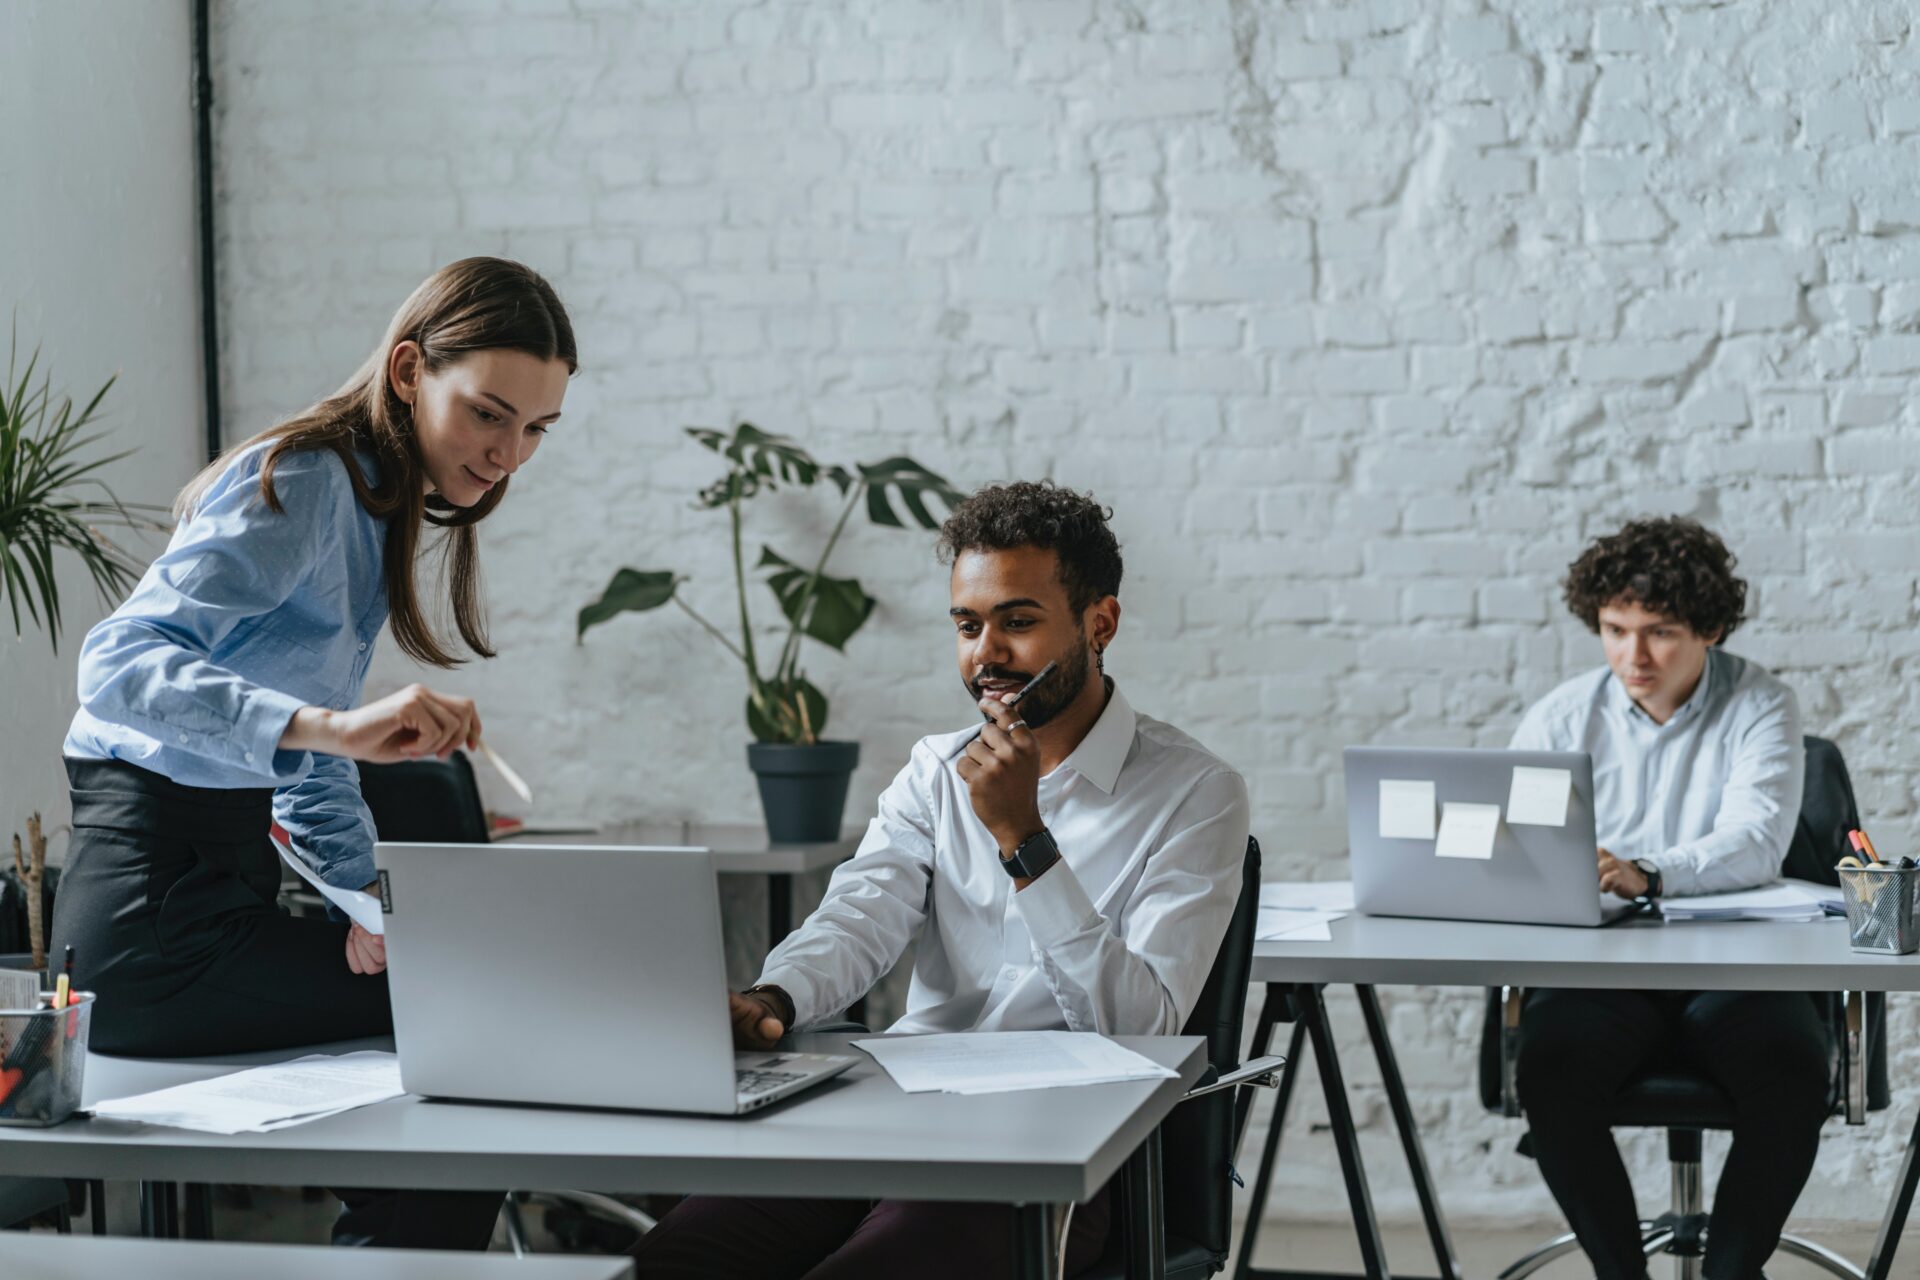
point(248, 616)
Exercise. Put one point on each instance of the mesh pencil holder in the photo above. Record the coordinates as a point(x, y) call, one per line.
point(43, 1054)
point(1880, 909)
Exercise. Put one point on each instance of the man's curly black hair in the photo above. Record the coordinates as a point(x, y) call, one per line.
point(1671, 565)
point(1072, 525)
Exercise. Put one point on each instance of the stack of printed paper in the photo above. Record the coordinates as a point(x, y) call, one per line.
point(262, 1099)
point(1005, 1061)
point(1789, 901)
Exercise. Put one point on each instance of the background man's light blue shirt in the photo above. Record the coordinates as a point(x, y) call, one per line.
point(249, 615)
point(1711, 797)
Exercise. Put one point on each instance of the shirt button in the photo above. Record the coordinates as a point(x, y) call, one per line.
point(183, 737)
point(363, 646)
point(249, 757)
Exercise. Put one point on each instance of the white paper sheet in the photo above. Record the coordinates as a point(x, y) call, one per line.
point(361, 907)
point(1539, 797)
point(262, 1099)
point(1307, 895)
point(1280, 925)
point(1005, 1061)
point(1467, 830)
point(1406, 810)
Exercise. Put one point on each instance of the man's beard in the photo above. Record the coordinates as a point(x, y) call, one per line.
point(1052, 696)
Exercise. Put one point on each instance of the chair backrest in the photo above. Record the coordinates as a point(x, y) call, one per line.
point(1828, 812)
point(436, 801)
point(1197, 1139)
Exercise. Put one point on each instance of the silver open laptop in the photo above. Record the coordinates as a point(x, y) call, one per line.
point(570, 975)
point(1537, 874)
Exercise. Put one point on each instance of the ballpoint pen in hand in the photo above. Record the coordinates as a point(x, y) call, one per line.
point(514, 780)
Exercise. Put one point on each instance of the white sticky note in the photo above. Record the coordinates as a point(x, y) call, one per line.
point(1539, 797)
point(1406, 810)
point(1467, 830)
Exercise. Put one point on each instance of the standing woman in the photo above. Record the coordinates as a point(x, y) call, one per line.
point(223, 694)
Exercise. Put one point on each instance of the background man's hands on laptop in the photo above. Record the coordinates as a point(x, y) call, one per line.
point(1620, 877)
point(757, 1019)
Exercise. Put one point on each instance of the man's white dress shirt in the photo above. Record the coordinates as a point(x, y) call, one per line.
point(1116, 937)
point(1710, 797)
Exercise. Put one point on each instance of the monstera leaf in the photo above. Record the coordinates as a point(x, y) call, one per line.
point(775, 715)
point(630, 592)
point(835, 609)
point(760, 460)
point(911, 483)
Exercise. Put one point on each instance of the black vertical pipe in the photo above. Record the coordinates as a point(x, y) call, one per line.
point(203, 164)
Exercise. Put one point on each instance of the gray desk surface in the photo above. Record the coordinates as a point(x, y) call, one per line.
point(51, 1257)
point(737, 848)
point(857, 1135)
point(1637, 954)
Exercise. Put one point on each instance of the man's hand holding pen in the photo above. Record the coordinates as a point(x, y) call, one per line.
point(1001, 768)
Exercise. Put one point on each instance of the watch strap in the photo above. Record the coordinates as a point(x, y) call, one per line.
point(1034, 855)
point(783, 1003)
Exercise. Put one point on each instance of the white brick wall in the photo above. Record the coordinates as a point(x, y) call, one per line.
point(1363, 315)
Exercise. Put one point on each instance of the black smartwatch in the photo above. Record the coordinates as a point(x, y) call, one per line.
point(1652, 873)
point(1035, 854)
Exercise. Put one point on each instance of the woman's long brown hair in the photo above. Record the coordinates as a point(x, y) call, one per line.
point(475, 304)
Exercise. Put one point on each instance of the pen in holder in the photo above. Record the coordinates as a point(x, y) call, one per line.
point(43, 1054)
point(1880, 908)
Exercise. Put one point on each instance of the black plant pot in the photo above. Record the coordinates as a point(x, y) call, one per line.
point(803, 789)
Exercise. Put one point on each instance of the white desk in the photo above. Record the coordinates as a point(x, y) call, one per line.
point(51, 1257)
point(1638, 954)
point(855, 1136)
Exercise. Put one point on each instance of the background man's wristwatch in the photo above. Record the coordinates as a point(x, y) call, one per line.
point(1035, 854)
point(1652, 873)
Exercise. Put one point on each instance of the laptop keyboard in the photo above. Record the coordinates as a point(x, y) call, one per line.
point(753, 1082)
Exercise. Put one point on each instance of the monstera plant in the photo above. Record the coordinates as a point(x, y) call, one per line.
point(786, 712)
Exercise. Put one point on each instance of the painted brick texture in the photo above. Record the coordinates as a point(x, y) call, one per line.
point(1362, 315)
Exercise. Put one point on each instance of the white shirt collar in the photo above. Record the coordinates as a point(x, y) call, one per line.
point(1104, 750)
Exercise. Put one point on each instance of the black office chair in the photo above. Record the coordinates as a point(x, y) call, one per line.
point(1199, 1137)
point(436, 801)
point(1686, 1104)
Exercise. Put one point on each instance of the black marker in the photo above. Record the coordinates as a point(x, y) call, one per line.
point(1014, 701)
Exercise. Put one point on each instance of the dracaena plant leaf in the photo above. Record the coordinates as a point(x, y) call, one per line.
point(52, 497)
point(834, 609)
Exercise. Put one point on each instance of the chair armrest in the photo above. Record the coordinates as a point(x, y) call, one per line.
point(1259, 1072)
point(1511, 999)
point(841, 1028)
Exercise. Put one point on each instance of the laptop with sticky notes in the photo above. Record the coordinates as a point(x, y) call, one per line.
point(1452, 833)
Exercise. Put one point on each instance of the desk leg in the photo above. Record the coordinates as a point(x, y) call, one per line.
point(1880, 1266)
point(159, 1211)
point(1270, 1153)
point(1145, 1201)
point(1311, 1001)
point(1033, 1242)
point(1396, 1090)
point(199, 1211)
